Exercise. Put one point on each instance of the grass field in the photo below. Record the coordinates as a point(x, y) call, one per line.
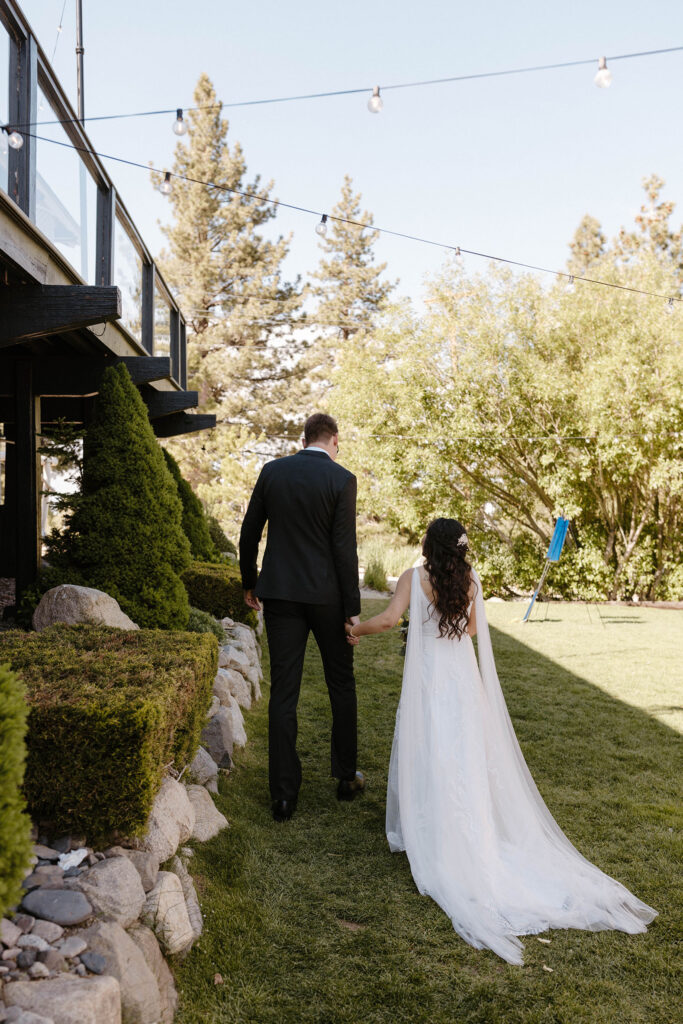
point(316, 922)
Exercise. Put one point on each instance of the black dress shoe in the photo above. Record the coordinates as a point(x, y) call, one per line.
point(283, 809)
point(348, 789)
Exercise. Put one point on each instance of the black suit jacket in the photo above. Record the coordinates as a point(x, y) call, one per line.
point(310, 505)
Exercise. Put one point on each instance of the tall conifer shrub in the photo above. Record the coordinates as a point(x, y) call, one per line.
point(125, 534)
point(15, 840)
point(195, 523)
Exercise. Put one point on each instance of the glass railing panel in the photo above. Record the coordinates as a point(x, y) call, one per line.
point(128, 278)
point(66, 195)
point(4, 103)
point(162, 323)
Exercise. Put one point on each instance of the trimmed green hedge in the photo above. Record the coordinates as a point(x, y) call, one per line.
point(108, 710)
point(218, 589)
point(218, 536)
point(15, 825)
point(205, 622)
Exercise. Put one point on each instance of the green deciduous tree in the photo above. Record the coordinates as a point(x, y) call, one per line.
point(124, 534)
point(510, 403)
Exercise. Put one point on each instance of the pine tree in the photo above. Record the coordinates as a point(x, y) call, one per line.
point(244, 353)
point(350, 291)
point(124, 535)
point(587, 245)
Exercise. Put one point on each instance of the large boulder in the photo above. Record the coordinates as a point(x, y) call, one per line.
point(231, 657)
point(203, 769)
point(165, 912)
point(145, 939)
point(171, 820)
point(190, 893)
point(146, 864)
point(217, 738)
point(114, 888)
point(208, 819)
point(71, 604)
point(229, 682)
point(239, 733)
point(68, 999)
point(62, 906)
point(140, 999)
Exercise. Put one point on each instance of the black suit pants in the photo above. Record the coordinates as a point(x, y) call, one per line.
point(288, 624)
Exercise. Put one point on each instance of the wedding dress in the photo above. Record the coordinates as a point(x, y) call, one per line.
point(462, 803)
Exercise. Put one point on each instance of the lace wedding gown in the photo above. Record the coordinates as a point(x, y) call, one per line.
point(462, 804)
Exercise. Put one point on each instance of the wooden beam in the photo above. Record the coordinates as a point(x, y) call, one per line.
point(162, 403)
point(143, 369)
point(73, 410)
point(31, 311)
point(182, 423)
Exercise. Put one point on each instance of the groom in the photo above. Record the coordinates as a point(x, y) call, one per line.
point(308, 581)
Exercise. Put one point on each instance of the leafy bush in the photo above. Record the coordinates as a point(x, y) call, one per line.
point(204, 622)
point(108, 710)
point(218, 589)
point(219, 538)
point(15, 826)
point(375, 576)
point(195, 523)
point(124, 535)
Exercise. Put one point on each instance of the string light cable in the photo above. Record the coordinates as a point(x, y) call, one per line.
point(168, 176)
point(603, 79)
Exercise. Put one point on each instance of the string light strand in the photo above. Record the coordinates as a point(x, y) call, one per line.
point(168, 175)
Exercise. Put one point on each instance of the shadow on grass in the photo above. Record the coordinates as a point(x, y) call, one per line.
point(278, 899)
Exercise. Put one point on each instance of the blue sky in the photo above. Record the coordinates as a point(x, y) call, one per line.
point(505, 166)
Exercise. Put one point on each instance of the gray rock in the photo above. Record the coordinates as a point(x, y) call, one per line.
point(165, 912)
point(39, 970)
point(31, 882)
point(145, 939)
point(232, 682)
point(94, 962)
point(73, 946)
point(62, 845)
point(170, 822)
point(32, 942)
point(71, 604)
point(81, 969)
point(208, 819)
point(217, 738)
point(239, 733)
point(190, 893)
point(45, 852)
point(27, 1017)
point(215, 705)
point(203, 767)
point(73, 872)
point(49, 871)
point(47, 930)
point(59, 905)
point(9, 933)
point(68, 1000)
point(77, 842)
point(27, 958)
point(24, 922)
point(53, 960)
point(146, 864)
point(113, 887)
point(231, 657)
point(11, 953)
point(140, 1000)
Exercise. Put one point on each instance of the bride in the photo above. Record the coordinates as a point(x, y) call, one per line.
point(461, 801)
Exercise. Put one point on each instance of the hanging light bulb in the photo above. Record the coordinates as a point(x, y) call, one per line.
point(571, 288)
point(15, 140)
point(166, 187)
point(179, 125)
point(670, 306)
point(321, 227)
point(375, 103)
point(603, 79)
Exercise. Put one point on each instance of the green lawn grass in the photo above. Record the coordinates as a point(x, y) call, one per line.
point(314, 921)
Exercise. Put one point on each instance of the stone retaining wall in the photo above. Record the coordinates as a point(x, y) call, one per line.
point(88, 943)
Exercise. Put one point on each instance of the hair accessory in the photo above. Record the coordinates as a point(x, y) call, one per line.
point(462, 540)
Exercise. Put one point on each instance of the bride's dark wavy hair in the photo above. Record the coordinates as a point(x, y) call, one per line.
point(450, 574)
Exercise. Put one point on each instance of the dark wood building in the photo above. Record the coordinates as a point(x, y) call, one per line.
point(79, 291)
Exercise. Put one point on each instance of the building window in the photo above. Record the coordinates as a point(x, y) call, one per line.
point(4, 103)
point(3, 464)
point(162, 323)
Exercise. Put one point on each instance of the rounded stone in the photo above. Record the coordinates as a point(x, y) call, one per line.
point(59, 905)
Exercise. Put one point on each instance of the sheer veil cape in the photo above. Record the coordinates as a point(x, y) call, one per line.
point(463, 805)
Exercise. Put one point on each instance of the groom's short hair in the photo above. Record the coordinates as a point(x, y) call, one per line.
point(319, 427)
